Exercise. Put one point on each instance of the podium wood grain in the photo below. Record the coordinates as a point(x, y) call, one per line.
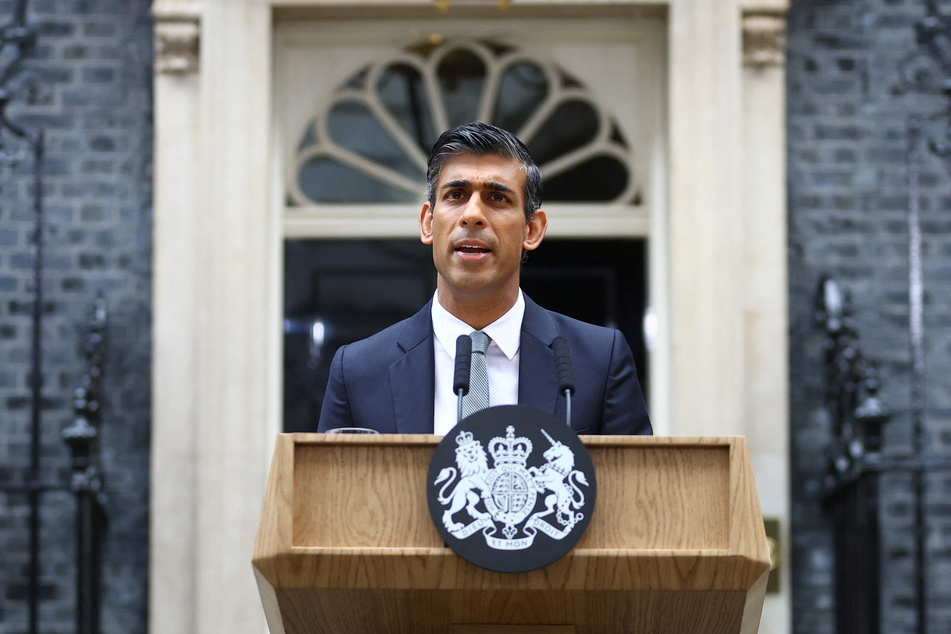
point(346, 544)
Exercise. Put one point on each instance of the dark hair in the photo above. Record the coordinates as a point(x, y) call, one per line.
point(481, 139)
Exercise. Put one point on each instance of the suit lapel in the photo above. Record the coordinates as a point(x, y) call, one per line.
point(537, 386)
point(413, 375)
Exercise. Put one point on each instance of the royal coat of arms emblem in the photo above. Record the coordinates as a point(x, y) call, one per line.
point(514, 500)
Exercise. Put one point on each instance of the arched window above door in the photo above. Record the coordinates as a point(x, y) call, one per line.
point(369, 139)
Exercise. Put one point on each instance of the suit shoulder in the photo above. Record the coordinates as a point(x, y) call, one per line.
point(391, 342)
point(569, 326)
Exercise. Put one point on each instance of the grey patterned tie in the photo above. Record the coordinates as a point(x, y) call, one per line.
point(478, 396)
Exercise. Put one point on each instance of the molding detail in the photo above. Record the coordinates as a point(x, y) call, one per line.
point(177, 37)
point(314, 177)
point(764, 38)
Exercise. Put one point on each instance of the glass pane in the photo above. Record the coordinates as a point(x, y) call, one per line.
point(400, 88)
point(617, 136)
point(336, 292)
point(309, 138)
point(601, 178)
point(523, 86)
point(568, 80)
point(461, 77)
point(601, 282)
point(352, 126)
point(340, 291)
point(358, 80)
point(572, 125)
point(325, 180)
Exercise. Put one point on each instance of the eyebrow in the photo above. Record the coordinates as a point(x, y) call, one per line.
point(490, 185)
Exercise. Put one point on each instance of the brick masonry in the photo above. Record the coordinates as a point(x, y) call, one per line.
point(93, 97)
point(848, 201)
point(847, 218)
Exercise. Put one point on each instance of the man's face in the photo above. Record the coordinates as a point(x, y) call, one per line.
point(477, 227)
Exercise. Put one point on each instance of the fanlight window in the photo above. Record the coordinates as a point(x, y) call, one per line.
point(370, 142)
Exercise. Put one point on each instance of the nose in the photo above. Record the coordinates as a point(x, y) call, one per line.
point(473, 214)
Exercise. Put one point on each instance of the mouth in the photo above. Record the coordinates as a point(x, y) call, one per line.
point(471, 250)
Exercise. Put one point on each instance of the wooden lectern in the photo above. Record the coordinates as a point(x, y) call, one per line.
point(346, 545)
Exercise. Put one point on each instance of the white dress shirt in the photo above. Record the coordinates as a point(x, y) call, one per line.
point(501, 359)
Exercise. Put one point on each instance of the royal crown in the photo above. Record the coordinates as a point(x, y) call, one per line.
point(465, 443)
point(510, 450)
point(463, 438)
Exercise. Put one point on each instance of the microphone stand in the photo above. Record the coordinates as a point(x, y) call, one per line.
point(568, 407)
point(460, 381)
point(566, 380)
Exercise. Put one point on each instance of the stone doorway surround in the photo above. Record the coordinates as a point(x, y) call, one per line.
point(722, 298)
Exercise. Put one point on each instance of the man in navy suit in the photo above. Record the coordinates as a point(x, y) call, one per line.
point(482, 214)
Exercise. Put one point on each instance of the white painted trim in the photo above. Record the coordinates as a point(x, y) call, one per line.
point(218, 232)
point(174, 498)
point(400, 221)
point(345, 46)
point(766, 311)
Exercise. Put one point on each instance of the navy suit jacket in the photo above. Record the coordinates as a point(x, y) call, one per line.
point(386, 382)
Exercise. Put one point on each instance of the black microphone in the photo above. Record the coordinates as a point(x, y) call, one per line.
point(566, 379)
point(460, 380)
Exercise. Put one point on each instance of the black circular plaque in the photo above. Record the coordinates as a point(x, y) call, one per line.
point(511, 488)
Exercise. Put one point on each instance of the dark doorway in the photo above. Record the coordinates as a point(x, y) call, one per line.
point(601, 282)
point(343, 290)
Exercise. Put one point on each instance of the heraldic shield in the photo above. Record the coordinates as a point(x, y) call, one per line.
point(511, 488)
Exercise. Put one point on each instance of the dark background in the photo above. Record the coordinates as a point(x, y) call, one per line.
point(358, 287)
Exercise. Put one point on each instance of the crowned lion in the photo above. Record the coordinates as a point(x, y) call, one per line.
point(472, 464)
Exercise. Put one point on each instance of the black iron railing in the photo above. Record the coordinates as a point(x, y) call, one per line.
point(20, 144)
point(17, 144)
point(82, 436)
point(855, 461)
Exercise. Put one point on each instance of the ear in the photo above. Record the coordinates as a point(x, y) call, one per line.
point(426, 224)
point(536, 231)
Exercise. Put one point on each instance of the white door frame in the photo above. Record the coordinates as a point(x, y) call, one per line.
point(217, 275)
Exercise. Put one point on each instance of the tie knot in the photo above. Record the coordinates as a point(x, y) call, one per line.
point(480, 341)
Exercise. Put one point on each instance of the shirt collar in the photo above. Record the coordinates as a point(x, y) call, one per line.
point(506, 331)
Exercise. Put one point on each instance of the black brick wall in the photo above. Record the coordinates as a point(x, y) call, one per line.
point(848, 201)
point(92, 70)
point(847, 218)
